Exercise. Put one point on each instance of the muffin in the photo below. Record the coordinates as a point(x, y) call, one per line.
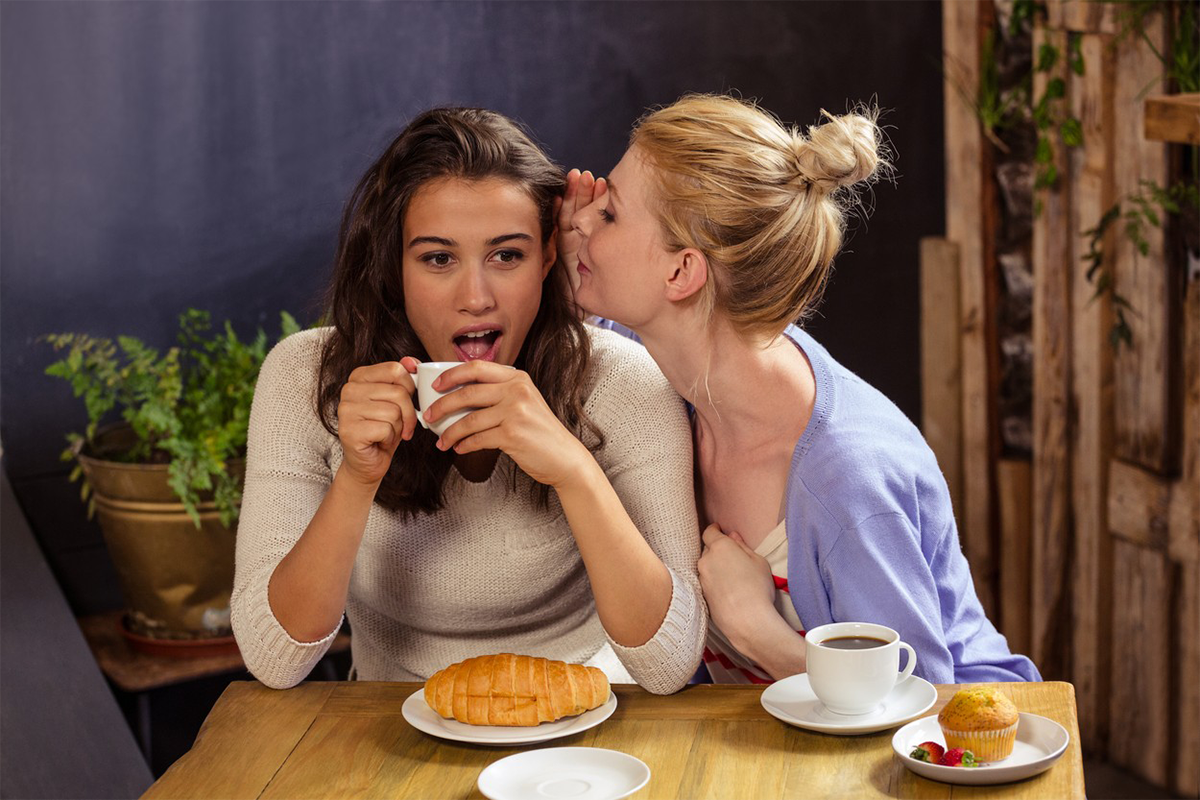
point(980, 719)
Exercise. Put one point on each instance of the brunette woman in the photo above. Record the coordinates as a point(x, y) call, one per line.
point(557, 520)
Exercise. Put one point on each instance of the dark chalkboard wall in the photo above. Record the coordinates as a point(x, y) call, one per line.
point(155, 156)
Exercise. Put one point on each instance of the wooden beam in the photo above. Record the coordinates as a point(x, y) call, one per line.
point(1141, 686)
point(1082, 15)
point(1139, 505)
point(941, 370)
point(1185, 778)
point(1014, 486)
point(1147, 430)
point(1173, 118)
point(1091, 194)
point(968, 202)
point(1184, 542)
point(1053, 263)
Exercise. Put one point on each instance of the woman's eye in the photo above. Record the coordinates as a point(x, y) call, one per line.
point(509, 256)
point(605, 215)
point(437, 259)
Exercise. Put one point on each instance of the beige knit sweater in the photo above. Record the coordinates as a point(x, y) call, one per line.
point(490, 572)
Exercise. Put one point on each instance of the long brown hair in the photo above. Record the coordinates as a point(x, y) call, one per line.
point(365, 299)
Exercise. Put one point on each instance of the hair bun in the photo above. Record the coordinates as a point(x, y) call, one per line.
point(840, 152)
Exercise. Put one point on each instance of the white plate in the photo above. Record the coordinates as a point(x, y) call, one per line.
point(1040, 742)
point(792, 700)
point(580, 773)
point(423, 718)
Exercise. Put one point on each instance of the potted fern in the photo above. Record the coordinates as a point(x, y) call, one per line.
point(165, 479)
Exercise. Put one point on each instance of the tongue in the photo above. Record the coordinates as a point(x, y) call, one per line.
point(477, 347)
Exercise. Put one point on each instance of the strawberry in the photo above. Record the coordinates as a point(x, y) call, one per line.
point(957, 757)
point(928, 751)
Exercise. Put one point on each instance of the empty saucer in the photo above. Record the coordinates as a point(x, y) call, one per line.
point(579, 773)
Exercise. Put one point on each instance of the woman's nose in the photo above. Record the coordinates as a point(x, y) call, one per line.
point(584, 219)
point(475, 293)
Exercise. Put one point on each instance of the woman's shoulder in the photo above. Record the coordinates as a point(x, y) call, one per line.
point(617, 360)
point(294, 361)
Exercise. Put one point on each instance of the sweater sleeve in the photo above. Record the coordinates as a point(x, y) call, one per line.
point(647, 455)
point(877, 572)
point(287, 475)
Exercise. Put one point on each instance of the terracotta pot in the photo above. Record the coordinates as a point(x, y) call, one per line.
point(175, 578)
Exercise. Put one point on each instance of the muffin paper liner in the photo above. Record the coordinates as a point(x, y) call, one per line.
point(986, 745)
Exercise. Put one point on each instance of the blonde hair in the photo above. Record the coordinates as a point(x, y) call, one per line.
point(764, 203)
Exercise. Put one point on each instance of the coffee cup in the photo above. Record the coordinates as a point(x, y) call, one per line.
point(853, 666)
point(427, 373)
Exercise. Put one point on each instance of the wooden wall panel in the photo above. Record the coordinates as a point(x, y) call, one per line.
point(968, 204)
point(1053, 263)
point(1147, 432)
point(1082, 15)
point(1141, 684)
point(1014, 487)
point(1091, 194)
point(1185, 778)
point(941, 370)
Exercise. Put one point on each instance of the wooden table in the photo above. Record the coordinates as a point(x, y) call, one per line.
point(140, 673)
point(349, 740)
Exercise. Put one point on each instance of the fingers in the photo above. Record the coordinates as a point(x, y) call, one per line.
point(475, 372)
point(387, 372)
point(565, 208)
point(737, 537)
point(711, 535)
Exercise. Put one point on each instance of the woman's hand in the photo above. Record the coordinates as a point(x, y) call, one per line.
point(737, 581)
point(510, 415)
point(376, 413)
point(582, 191)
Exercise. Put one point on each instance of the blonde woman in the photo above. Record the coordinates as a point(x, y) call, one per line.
point(712, 238)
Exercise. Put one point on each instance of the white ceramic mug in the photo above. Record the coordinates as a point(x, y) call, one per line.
point(854, 682)
point(427, 373)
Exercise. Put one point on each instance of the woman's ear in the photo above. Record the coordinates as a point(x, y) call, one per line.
point(550, 253)
point(689, 276)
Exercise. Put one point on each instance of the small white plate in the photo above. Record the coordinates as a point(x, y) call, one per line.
point(1040, 742)
point(580, 773)
point(423, 718)
point(793, 701)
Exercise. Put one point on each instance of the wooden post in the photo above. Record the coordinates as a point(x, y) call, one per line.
point(941, 370)
point(970, 210)
point(1053, 262)
point(1014, 485)
point(1147, 430)
point(1091, 194)
point(1141, 683)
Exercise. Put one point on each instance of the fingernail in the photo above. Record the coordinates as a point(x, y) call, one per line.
point(441, 445)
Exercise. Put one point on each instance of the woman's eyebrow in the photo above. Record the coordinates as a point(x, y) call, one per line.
point(432, 240)
point(612, 189)
point(508, 237)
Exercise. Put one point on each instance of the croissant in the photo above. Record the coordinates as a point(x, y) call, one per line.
point(513, 690)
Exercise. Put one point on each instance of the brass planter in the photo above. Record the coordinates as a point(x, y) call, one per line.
point(175, 579)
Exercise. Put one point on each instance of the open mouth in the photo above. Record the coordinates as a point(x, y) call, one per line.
point(582, 268)
point(481, 345)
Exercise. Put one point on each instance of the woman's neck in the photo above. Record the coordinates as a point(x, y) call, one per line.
point(746, 393)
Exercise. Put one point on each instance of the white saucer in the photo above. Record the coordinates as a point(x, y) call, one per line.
point(580, 773)
point(425, 719)
point(792, 700)
point(1040, 742)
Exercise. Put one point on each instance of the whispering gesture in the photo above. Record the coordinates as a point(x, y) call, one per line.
point(582, 191)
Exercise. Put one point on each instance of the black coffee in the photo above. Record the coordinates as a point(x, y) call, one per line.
point(853, 642)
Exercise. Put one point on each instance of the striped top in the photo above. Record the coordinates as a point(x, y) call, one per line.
point(724, 663)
